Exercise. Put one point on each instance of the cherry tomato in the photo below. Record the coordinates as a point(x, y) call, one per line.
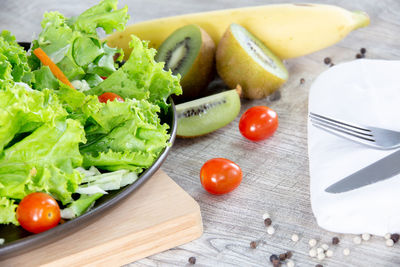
point(108, 96)
point(258, 123)
point(220, 176)
point(38, 212)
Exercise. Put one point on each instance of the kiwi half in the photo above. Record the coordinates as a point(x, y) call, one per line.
point(207, 114)
point(190, 52)
point(243, 59)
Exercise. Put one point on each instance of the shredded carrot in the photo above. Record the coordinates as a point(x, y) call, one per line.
point(44, 58)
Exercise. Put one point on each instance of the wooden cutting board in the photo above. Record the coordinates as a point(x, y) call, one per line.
point(158, 216)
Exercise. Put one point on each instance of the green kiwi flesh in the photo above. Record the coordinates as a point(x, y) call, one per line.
point(189, 51)
point(207, 114)
point(262, 55)
point(243, 59)
point(180, 49)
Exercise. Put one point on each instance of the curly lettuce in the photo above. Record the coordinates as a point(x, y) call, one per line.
point(120, 135)
point(104, 15)
point(39, 148)
point(22, 110)
point(13, 61)
point(141, 77)
point(48, 134)
point(123, 135)
point(44, 161)
point(7, 211)
point(74, 45)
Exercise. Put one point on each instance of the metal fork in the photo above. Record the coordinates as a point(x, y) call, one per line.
point(378, 138)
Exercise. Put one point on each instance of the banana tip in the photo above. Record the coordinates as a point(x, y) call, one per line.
point(361, 19)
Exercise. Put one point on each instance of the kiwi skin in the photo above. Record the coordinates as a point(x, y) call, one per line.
point(201, 72)
point(234, 107)
point(236, 66)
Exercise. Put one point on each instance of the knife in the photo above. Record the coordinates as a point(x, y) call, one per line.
point(378, 171)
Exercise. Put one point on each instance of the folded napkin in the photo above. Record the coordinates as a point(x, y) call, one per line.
point(365, 92)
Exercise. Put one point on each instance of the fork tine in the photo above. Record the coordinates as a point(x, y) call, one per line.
point(343, 133)
point(366, 134)
point(343, 123)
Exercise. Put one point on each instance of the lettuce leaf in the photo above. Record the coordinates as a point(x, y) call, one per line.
point(94, 185)
point(123, 135)
point(22, 110)
point(7, 211)
point(74, 45)
point(45, 79)
point(44, 161)
point(120, 135)
point(74, 102)
point(50, 144)
point(39, 147)
point(101, 183)
point(114, 161)
point(47, 133)
point(13, 61)
point(141, 77)
point(104, 15)
point(78, 207)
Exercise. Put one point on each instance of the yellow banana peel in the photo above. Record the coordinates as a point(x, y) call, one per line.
point(289, 30)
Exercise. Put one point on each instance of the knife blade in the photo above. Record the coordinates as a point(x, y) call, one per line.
point(380, 170)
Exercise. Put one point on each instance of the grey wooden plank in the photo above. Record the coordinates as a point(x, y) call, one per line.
point(276, 175)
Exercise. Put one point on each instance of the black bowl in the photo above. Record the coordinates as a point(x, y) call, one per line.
point(18, 241)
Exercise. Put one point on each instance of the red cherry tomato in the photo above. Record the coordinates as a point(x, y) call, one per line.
point(258, 123)
point(108, 96)
point(220, 176)
point(38, 212)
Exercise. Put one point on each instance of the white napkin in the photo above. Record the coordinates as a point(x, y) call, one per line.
point(366, 92)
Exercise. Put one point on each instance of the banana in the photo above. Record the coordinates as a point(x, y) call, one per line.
point(289, 30)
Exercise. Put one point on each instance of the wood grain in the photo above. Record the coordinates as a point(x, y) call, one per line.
point(276, 177)
point(147, 222)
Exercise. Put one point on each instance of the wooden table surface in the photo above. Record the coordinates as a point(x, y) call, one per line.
point(276, 177)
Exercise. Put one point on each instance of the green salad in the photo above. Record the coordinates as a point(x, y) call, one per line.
point(61, 139)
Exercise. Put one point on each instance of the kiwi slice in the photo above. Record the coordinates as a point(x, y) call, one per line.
point(243, 59)
point(207, 114)
point(190, 52)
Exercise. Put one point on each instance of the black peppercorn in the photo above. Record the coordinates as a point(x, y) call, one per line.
point(289, 254)
point(267, 222)
point(253, 244)
point(395, 237)
point(359, 56)
point(282, 257)
point(363, 50)
point(335, 240)
point(192, 260)
point(327, 60)
point(302, 81)
point(319, 265)
point(273, 257)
